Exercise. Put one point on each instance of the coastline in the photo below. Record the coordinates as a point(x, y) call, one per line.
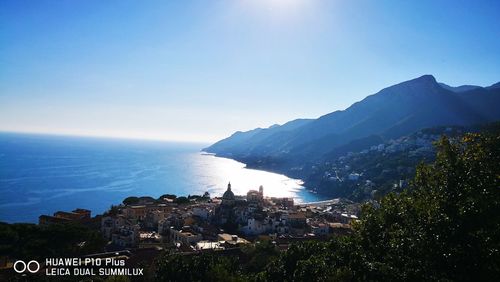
point(284, 172)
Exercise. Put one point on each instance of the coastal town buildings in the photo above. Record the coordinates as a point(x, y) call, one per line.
point(202, 223)
point(77, 215)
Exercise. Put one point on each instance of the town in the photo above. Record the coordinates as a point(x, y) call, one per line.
point(366, 174)
point(202, 223)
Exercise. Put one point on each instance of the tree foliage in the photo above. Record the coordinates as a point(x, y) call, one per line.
point(205, 267)
point(131, 200)
point(29, 241)
point(181, 200)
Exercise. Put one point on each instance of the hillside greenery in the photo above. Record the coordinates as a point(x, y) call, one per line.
point(29, 241)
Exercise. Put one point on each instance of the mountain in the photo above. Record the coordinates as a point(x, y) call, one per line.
point(239, 141)
point(393, 112)
point(494, 86)
point(459, 89)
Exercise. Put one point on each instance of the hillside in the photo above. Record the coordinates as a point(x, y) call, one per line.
point(393, 112)
point(379, 169)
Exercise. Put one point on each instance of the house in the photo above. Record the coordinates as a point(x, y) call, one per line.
point(149, 239)
point(152, 218)
point(254, 196)
point(320, 229)
point(231, 241)
point(84, 213)
point(255, 226)
point(172, 220)
point(208, 245)
point(185, 236)
point(127, 236)
point(47, 220)
point(64, 217)
point(285, 202)
point(201, 212)
point(135, 212)
point(297, 219)
point(340, 228)
point(110, 224)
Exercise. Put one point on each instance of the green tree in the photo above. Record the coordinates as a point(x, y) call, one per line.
point(447, 226)
point(199, 267)
point(30, 241)
point(131, 200)
point(181, 200)
point(258, 256)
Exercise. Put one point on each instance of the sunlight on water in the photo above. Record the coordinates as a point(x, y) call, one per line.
point(222, 170)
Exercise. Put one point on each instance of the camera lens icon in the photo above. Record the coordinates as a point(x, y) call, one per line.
point(32, 266)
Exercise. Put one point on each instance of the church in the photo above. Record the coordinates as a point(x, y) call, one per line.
point(225, 213)
point(228, 198)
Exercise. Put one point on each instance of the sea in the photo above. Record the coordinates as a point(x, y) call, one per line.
point(42, 174)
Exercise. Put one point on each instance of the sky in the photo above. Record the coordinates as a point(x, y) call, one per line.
point(200, 70)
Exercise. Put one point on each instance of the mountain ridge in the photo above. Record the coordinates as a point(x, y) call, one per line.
point(392, 112)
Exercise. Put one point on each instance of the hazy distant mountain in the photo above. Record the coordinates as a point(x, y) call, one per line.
point(241, 142)
point(496, 85)
point(395, 111)
point(458, 89)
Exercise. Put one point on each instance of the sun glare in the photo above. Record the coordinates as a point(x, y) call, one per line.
point(277, 8)
point(283, 4)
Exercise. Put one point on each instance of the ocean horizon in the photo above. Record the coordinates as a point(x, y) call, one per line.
point(42, 174)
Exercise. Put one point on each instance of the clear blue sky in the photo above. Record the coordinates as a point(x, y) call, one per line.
point(199, 70)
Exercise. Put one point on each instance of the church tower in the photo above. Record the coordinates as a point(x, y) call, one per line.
point(228, 196)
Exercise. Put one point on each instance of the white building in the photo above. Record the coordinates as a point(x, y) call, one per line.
point(184, 236)
point(208, 245)
point(255, 227)
point(201, 212)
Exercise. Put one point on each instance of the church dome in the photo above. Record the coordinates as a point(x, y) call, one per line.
point(228, 195)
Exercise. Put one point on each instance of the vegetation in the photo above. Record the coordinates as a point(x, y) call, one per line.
point(181, 200)
point(131, 200)
point(168, 196)
point(446, 227)
point(178, 200)
point(216, 267)
point(113, 211)
point(385, 170)
point(30, 241)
